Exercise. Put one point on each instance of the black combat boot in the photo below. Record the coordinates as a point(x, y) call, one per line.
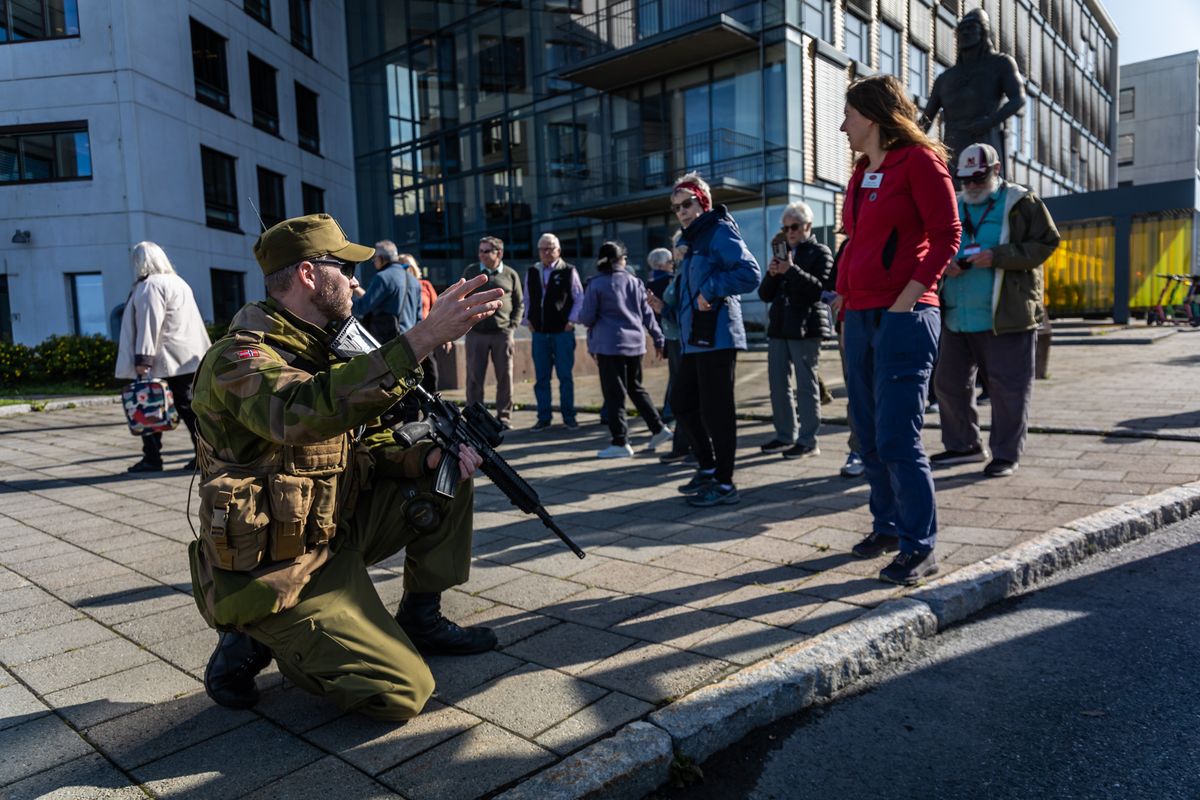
point(229, 677)
point(420, 616)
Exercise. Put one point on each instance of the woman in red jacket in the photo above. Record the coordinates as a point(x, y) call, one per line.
point(901, 218)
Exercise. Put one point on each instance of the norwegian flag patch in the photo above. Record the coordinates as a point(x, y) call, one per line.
point(242, 355)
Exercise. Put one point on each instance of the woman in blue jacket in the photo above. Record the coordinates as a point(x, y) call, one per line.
point(717, 269)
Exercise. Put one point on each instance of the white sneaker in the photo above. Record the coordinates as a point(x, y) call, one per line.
point(662, 437)
point(615, 451)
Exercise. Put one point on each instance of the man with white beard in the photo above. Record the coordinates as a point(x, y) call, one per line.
point(992, 306)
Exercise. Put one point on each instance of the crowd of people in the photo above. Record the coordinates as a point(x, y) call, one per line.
point(300, 492)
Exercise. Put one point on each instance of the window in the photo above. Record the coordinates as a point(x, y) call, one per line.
point(816, 18)
point(87, 303)
point(889, 49)
point(501, 63)
point(41, 153)
point(858, 39)
point(264, 101)
point(312, 199)
point(259, 9)
point(1126, 103)
point(1125, 150)
point(307, 128)
point(208, 67)
point(271, 205)
point(220, 189)
point(300, 12)
point(31, 20)
point(918, 72)
point(228, 294)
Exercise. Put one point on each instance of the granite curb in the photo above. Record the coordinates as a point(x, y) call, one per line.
point(58, 404)
point(637, 758)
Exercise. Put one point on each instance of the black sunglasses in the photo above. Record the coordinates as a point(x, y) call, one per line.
point(978, 178)
point(345, 267)
point(794, 227)
point(677, 207)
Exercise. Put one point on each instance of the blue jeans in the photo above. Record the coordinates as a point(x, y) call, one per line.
point(889, 359)
point(554, 352)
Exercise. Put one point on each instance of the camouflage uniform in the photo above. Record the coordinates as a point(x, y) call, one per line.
point(298, 498)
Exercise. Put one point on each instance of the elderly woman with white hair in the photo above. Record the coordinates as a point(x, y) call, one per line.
point(797, 321)
point(162, 336)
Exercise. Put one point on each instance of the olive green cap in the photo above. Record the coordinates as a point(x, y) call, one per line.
point(303, 238)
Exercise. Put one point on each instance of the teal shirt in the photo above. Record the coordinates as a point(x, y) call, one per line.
point(967, 299)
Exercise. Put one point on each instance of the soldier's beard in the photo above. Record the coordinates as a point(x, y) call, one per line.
point(333, 299)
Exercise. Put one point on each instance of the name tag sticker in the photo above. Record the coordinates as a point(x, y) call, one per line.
point(872, 180)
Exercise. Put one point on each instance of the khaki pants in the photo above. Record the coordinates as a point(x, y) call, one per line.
point(339, 640)
point(497, 346)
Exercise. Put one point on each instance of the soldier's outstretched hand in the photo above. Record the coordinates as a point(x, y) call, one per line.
point(453, 313)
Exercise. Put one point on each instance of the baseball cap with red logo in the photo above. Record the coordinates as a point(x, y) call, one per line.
point(977, 159)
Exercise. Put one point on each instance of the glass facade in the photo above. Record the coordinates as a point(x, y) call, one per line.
point(575, 116)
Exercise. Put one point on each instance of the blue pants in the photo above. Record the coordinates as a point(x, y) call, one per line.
point(554, 352)
point(889, 359)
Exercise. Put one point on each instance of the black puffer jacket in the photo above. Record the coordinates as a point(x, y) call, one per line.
point(795, 296)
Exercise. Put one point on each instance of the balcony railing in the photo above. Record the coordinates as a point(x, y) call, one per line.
point(627, 22)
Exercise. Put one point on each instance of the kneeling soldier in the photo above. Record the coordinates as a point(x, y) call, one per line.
point(300, 494)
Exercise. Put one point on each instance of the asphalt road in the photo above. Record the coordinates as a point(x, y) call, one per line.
point(1086, 689)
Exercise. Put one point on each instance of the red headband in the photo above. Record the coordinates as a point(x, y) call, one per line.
point(700, 194)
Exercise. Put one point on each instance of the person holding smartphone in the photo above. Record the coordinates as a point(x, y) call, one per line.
point(796, 323)
point(717, 268)
point(901, 218)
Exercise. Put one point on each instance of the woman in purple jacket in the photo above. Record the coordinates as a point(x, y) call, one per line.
point(618, 317)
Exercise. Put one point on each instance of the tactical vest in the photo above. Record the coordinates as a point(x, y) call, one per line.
point(284, 503)
point(550, 305)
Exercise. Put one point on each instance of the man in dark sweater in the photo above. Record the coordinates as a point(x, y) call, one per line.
point(492, 338)
point(554, 294)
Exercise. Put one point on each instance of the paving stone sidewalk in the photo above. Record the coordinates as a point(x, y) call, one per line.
point(101, 647)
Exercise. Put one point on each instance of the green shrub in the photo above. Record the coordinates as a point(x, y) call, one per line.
point(85, 360)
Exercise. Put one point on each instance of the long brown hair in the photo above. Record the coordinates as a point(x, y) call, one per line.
point(882, 99)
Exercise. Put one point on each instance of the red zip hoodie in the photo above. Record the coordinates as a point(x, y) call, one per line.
point(904, 228)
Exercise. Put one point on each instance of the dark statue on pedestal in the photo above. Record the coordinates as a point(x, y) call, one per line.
point(978, 93)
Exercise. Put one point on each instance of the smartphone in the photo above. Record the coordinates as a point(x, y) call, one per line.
point(780, 250)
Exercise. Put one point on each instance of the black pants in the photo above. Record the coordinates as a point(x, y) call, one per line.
point(702, 397)
point(181, 389)
point(621, 375)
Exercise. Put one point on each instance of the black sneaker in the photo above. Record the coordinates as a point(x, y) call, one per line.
point(714, 495)
point(875, 544)
point(949, 457)
point(146, 466)
point(698, 483)
point(801, 451)
point(999, 468)
point(541, 425)
point(775, 446)
point(571, 424)
point(908, 569)
point(673, 457)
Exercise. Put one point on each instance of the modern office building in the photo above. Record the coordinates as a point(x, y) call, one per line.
point(125, 120)
point(1121, 242)
point(1158, 110)
point(575, 116)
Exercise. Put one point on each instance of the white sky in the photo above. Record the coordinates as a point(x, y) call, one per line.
point(1154, 28)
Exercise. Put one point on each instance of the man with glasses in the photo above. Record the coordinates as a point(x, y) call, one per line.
point(492, 339)
point(302, 490)
point(992, 306)
point(391, 303)
point(555, 295)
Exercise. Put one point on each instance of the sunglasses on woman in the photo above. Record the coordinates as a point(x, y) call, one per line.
point(677, 207)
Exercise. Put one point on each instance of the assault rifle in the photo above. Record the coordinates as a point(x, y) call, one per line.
point(474, 427)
